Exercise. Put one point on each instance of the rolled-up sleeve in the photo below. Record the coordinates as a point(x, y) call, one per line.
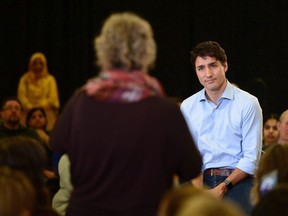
point(252, 137)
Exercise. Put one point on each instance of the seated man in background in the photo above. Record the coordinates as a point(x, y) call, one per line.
point(283, 128)
point(11, 111)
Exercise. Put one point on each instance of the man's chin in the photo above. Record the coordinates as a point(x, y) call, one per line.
point(14, 122)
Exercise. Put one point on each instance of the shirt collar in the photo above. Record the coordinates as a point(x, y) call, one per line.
point(227, 94)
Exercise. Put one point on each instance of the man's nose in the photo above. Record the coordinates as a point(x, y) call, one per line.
point(15, 108)
point(208, 72)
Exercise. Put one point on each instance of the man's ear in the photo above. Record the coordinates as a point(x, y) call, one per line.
point(225, 66)
point(278, 125)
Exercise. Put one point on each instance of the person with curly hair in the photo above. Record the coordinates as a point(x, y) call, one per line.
point(125, 139)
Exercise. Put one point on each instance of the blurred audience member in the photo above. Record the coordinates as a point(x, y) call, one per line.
point(17, 194)
point(124, 139)
point(270, 130)
point(26, 155)
point(11, 112)
point(283, 128)
point(188, 201)
point(61, 199)
point(273, 203)
point(38, 88)
point(275, 159)
point(36, 119)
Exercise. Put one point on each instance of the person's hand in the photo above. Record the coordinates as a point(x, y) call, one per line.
point(219, 191)
point(49, 174)
point(198, 181)
point(43, 135)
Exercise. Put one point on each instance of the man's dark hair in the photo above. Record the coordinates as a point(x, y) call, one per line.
point(208, 48)
point(11, 98)
point(270, 116)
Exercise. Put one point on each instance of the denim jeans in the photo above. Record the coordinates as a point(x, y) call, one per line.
point(240, 193)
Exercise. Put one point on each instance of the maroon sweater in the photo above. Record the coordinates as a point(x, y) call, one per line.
point(123, 156)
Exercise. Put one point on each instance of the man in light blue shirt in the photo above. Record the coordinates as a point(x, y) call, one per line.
point(226, 124)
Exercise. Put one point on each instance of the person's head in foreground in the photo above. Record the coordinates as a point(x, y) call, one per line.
point(25, 154)
point(17, 194)
point(125, 51)
point(189, 201)
point(273, 202)
point(274, 159)
point(126, 43)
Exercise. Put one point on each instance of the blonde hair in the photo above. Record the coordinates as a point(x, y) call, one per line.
point(188, 201)
point(17, 195)
point(126, 42)
point(283, 114)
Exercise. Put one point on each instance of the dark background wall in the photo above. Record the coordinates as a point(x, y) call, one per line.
point(253, 33)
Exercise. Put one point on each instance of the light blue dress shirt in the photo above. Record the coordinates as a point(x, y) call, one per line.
point(228, 135)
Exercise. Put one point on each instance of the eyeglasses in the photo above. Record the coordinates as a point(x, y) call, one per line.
point(10, 108)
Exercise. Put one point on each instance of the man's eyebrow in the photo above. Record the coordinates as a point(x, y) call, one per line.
point(199, 66)
point(211, 63)
point(215, 62)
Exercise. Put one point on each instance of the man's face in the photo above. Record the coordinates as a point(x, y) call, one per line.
point(11, 113)
point(283, 128)
point(211, 73)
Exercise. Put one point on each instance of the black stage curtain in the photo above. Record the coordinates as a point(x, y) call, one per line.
point(253, 34)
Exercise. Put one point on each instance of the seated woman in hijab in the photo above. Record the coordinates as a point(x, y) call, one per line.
point(38, 88)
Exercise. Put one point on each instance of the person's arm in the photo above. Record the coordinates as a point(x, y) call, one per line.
point(44, 136)
point(251, 147)
point(22, 94)
point(189, 160)
point(52, 99)
point(198, 181)
point(61, 198)
point(236, 176)
point(185, 109)
point(251, 137)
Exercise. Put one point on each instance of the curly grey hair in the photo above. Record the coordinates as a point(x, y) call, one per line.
point(126, 42)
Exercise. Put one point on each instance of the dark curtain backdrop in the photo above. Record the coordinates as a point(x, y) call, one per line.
point(253, 33)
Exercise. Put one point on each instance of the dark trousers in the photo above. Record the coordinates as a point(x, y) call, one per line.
point(240, 193)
